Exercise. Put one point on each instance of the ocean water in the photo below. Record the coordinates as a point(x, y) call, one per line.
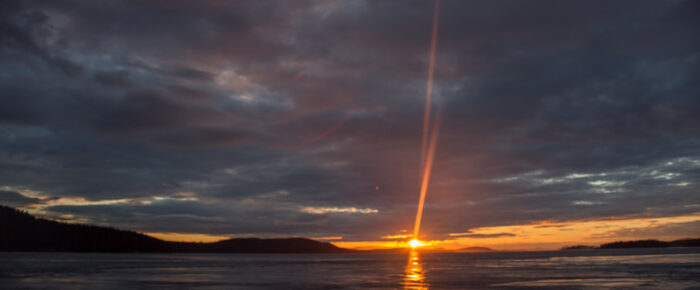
point(674, 268)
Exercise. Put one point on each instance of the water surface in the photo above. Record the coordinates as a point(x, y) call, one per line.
point(672, 268)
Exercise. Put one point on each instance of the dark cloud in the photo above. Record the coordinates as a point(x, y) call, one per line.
point(679, 230)
point(481, 236)
point(16, 199)
point(554, 110)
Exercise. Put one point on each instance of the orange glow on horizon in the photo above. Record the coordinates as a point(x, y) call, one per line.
point(543, 235)
point(187, 237)
point(547, 235)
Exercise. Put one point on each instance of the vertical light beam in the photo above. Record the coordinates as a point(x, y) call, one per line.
point(429, 90)
point(427, 170)
point(430, 135)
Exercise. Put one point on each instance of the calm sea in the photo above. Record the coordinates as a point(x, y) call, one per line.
point(677, 268)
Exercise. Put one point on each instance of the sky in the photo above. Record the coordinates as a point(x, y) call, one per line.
point(563, 122)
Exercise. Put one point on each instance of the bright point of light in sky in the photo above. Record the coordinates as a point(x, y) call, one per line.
point(415, 243)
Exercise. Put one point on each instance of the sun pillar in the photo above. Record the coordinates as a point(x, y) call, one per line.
point(430, 135)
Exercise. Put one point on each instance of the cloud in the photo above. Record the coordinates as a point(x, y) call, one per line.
point(563, 111)
point(324, 210)
point(481, 236)
point(16, 199)
point(670, 230)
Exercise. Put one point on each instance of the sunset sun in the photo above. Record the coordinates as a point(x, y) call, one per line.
point(415, 243)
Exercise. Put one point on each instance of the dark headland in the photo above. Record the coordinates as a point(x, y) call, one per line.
point(20, 231)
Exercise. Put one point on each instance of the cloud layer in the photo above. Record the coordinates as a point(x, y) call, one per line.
point(304, 117)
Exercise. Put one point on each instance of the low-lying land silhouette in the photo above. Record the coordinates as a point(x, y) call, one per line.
point(476, 250)
point(20, 231)
point(639, 244)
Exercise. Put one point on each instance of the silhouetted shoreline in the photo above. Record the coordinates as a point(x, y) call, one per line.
point(639, 244)
point(22, 232)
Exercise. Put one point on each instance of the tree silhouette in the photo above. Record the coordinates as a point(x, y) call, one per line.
point(20, 231)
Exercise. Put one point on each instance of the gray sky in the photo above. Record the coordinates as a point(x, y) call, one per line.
point(278, 118)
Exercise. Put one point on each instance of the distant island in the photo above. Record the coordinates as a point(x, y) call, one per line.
point(20, 231)
point(639, 244)
point(475, 250)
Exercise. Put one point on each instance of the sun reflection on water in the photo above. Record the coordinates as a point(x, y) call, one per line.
point(414, 275)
